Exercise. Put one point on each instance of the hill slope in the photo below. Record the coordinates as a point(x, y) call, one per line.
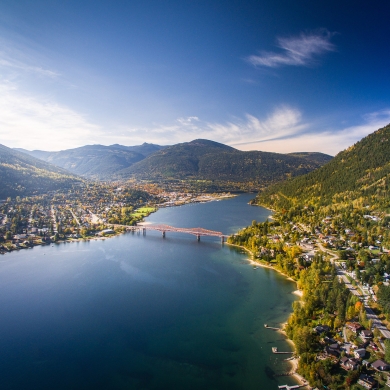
point(21, 174)
point(321, 158)
point(92, 161)
point(363, 170)
point(208, 160)
point(145, 149)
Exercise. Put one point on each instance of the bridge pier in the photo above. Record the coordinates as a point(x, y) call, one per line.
point(198, 237)
point(163, 234)
point(222, 239)
point(144, 231)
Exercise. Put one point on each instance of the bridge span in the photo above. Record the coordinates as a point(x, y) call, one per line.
point(198, 232)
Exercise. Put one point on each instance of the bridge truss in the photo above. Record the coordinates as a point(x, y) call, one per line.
point(194, 231)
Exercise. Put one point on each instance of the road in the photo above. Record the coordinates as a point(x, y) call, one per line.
point(334, 256)
point(349, 286)
point(53, 217)
point(74, 216)
point(376, 322)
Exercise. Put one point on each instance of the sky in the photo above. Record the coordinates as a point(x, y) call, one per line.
point(279, 76)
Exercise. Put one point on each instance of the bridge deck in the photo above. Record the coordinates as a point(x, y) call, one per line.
point(195, 231)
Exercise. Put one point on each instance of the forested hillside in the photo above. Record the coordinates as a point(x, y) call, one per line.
point(208, 160)
point(360, 172)
point(92, 161)
point(21, 174)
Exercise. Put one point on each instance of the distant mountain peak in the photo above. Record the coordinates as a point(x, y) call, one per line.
point(206, 142)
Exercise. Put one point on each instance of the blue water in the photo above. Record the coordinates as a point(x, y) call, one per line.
point(143, 312)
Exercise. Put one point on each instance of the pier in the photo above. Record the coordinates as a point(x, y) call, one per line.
point(271, 327)
point(275, 350)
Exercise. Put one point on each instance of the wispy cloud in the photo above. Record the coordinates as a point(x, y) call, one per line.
point(14, 58)
point(17, 65)
point(330, 141)
point(284, 121)
point(296, 51)
point(34, 122)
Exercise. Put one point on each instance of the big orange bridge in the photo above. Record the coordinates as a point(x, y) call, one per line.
point(198, 232)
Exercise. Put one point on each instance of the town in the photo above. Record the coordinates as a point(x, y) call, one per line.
point(86, 211)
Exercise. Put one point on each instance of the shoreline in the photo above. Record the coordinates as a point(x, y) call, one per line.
point(294, 362)
point(200, 199)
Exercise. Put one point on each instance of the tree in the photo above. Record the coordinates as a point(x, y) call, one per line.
point(303, 339)
point(387, 350)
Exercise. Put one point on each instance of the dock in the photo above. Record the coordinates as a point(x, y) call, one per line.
point(275, 350)
point(287, 387)
point(271, 327)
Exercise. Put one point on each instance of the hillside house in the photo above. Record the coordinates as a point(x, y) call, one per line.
point(367, 381)
point(349, 364)
point(366, 334)
point(380, 365)
point(360, 353)
point(354, 326)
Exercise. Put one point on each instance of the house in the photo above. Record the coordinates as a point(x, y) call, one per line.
point(354, 326)
point(380, 365)
point(333, 350)
point(359, 353)
point(349, 364)
point(309, 256)
point(366, 381)
point(322, 329)
point(366, 334)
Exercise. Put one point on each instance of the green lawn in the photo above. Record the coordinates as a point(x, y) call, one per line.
point(144, 211)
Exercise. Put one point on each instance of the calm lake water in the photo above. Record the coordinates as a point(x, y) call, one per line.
point(143, 312)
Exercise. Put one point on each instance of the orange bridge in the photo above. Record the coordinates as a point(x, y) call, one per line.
point(194, 231)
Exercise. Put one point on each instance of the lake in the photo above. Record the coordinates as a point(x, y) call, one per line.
point(145, 312)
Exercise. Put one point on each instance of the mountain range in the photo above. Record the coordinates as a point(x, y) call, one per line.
point(208, 160)
point(199, 159)
point(96, 162)
point(21, 174)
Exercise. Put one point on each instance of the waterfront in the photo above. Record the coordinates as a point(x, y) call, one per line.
point(144, 312)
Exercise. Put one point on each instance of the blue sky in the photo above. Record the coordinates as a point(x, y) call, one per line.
point(278, 76)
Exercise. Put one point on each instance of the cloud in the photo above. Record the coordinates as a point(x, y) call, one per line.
point(18, 60)
point(296, 51)
point(188, 120)
point(34, 122)
point(330, 141)
point(284, 121)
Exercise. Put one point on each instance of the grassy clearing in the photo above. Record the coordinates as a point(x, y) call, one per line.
point(143, 211)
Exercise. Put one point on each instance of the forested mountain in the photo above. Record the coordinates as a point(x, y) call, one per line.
point(92, 161)
point(360, 172)
point(208, 160)
point(21, 174)
point(321, 158)
point(145, 149)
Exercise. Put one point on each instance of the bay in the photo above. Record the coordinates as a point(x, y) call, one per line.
point(143, 312)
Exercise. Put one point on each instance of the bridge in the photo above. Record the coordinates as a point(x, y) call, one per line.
point(198, 232)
